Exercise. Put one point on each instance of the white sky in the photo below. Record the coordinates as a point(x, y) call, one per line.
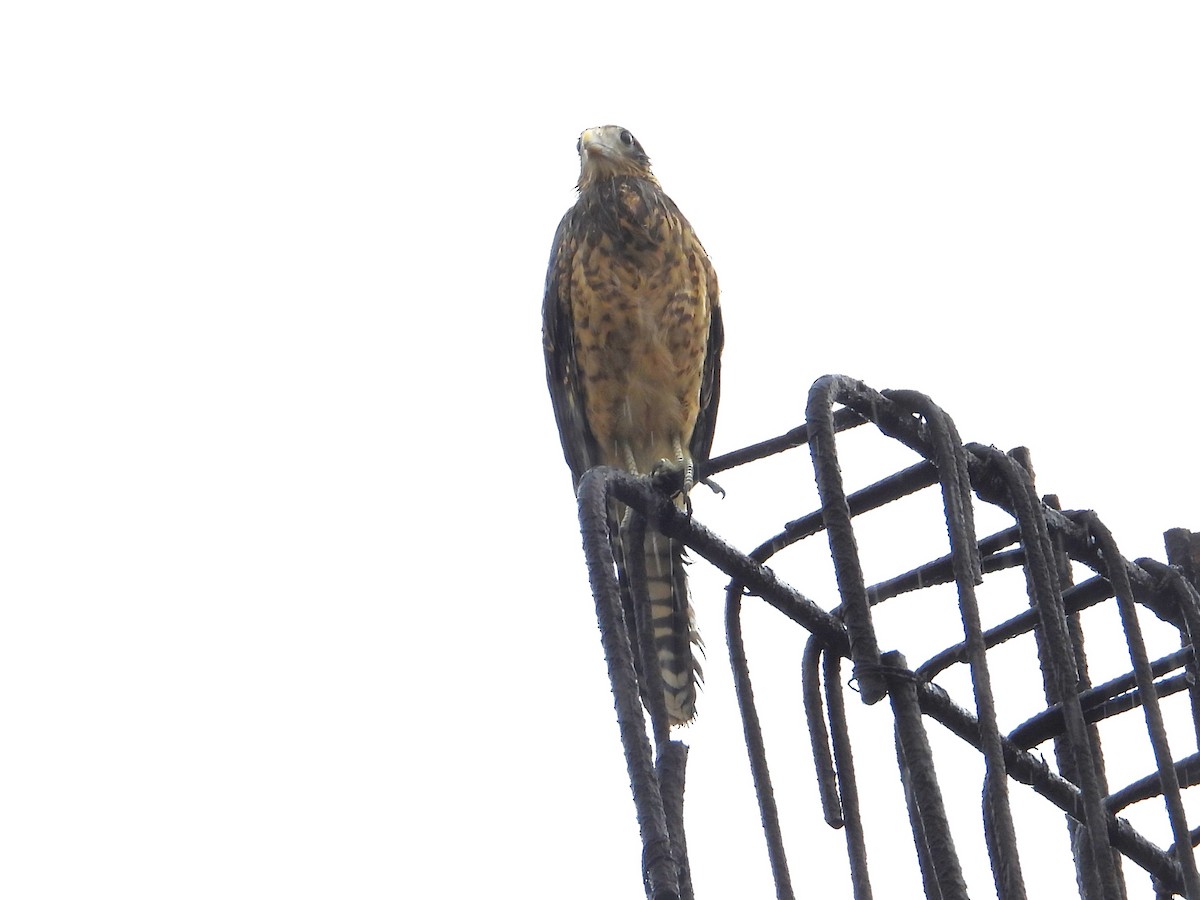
point(293, 603)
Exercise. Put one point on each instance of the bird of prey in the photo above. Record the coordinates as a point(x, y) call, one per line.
point(632, 333)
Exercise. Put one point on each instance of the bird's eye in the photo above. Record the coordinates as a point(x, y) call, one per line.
point(626, 138)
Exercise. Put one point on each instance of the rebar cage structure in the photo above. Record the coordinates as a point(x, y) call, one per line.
point(1044, 541)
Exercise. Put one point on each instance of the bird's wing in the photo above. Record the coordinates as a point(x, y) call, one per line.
point(558, 341)
point(710, 381)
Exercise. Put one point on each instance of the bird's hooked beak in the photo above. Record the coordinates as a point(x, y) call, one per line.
point(595, 157)
point(590, 143)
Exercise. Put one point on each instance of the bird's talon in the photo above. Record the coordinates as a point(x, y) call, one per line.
point(668, 475)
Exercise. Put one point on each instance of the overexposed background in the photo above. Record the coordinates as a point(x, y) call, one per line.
point(291, 596)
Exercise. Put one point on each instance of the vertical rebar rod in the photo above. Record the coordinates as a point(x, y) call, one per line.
point(671, 769)
point(659, 867)
point(941, 869)
point(856, 841)
point(835, 510)
point(1086, 873)
point(964, 557)
point(1058, 661)
point(818, 733)
point(1119, 577)
point(1183, 553)
point(755, 747)
point(1188, 599)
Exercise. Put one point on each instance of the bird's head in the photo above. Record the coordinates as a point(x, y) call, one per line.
point(607, 151)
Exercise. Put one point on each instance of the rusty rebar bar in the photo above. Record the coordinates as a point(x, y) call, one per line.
point(660, 869)
point(940, 867)
point(835, 513)
point(1100, 702)
point(843, 758)
point(670, 770)
point(818, 734)
point(1176, 580)
point(755, 746)
point(965, 559)
point(1058, 659)
point(1159, 742)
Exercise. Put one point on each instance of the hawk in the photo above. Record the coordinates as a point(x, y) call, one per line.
point(632, 333)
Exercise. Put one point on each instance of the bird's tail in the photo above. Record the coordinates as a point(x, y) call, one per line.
point(672, 621)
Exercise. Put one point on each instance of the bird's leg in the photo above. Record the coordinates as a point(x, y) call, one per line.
point(626, 451)
point(685, 462)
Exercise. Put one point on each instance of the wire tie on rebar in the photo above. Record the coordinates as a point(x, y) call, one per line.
point(898, 673)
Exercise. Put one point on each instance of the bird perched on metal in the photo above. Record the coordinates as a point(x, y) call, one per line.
point(632, 333)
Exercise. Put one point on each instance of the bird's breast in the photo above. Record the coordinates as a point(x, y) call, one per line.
point(641, 321)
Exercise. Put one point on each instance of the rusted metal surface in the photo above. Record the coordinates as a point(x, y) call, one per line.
point(1047, 544)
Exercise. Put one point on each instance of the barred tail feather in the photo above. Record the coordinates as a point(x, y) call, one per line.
point(674, 626)
point(672, 621)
